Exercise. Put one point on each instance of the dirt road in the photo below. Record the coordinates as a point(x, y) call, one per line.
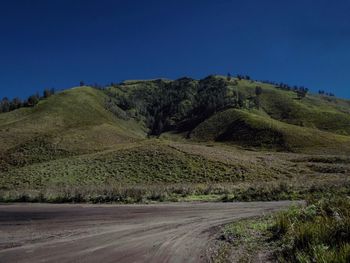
point(177, 232)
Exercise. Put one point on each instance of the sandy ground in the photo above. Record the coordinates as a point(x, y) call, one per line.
point(177, 232)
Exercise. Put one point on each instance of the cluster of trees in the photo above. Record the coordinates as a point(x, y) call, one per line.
point(322, 92)
point(179, 104)
point(299, 90)
point(238, 76)
point(7, 105)
point(211, 96)
point(284, 86)
point(246, 77)
point(183, 103)
point(47, 93)
point(97, 85)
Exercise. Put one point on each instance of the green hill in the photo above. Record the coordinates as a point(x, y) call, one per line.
point(84, 119)
point(181, 98)
point(250, 129)
point(276, 118)
point(324, 113)
point(72, 122)
point(216, 130)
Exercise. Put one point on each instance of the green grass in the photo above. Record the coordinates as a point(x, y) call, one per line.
point(73, 142)
point(320, 232)
point(72, 119)
point(312, 112)
point(160, 162)
point(243, 241)
point(249, 129)
point(317, 112)
point(114, 192)
point(70, 123)
point(147, 164)
point(213, 173)
point(202, 198)
point(316, 232)
point(76, 119)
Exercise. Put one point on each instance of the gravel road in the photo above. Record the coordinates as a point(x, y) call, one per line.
point(175, 232)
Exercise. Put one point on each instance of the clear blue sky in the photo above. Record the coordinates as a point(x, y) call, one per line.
point(57, 43)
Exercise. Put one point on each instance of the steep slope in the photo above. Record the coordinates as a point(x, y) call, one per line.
point(77, 120)
point(324, 113)
point(72, 122)
point(182, 104)
point(250, 129)
point(314, 111)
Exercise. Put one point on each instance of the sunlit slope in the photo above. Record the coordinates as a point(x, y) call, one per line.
point(77, 121)
point(74, 121)
point(89, 138)
point(321, 112)
point(324, 113)
point(147, 162)
point(250, 129)
point(315, 111)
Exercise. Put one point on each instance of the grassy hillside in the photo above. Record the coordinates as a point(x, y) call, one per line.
point(250, 129)
point(324, 113)
point(188, 101)
point(314, 111)
point(177, 170)
point(69, 123)
point(148, 163)
point(212, 131)
point(85, 119)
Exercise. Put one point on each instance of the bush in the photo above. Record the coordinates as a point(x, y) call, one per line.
point(319, 232)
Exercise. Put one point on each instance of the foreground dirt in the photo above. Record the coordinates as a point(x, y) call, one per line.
point(177, 232)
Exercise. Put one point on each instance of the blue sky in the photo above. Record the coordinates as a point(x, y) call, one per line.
point(57, 43)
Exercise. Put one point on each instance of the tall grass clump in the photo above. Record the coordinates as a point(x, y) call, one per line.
point(319, 232)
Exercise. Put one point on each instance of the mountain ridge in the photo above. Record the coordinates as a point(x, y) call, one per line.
point(87, 142)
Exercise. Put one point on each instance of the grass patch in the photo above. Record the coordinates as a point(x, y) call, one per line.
point(250, 129)
point(202, 198)
point(136, 193)
point(320, 232)
point(244, 241)
point(316, 232)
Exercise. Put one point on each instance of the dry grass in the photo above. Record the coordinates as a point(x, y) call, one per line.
point(167, 169)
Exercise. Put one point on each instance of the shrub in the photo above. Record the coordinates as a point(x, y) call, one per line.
point(319, 232)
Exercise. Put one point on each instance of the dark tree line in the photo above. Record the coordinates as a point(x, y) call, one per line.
point(176, 105)
point(246, 77)
point(301, 91)
point(7, 105)
point(322, 92)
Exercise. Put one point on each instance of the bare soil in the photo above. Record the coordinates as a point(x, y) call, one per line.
point(176, 232)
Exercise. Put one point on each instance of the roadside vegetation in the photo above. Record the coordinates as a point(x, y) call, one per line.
point(216, 192)
point(156, 170)
point(318, 231)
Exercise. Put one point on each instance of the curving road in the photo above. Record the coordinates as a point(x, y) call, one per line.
point(176, 232)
